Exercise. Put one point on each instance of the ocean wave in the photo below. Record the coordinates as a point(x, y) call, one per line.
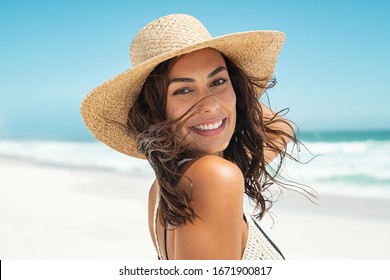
point(74, 154)
point(356, 180)
point(360, 168)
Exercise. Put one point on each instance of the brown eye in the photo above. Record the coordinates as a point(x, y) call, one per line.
point(182, 91)
point(218, 82)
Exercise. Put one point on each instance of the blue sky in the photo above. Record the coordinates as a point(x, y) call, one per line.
point(332, 71)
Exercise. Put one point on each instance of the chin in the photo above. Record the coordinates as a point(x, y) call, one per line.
point(218, 151)
point(204, 147)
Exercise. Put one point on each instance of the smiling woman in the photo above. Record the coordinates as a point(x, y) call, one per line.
point(190, 107)
point(200, 80)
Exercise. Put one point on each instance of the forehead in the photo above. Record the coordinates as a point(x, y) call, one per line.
point(200, 60)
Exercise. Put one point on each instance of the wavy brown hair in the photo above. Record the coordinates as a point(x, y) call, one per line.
point(156, 138)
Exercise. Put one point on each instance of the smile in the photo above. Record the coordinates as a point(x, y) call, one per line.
point(209, 129)
point(210, 126)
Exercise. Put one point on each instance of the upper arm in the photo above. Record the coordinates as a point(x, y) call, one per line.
point(217, 195)
point(279, 140)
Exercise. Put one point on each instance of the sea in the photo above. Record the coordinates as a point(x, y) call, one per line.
point(348, 163)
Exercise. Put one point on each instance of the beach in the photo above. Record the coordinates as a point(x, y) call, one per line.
point(49, 212)
point(59, 212)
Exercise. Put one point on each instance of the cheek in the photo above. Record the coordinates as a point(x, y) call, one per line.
point(177, 108)
point(173, 111)
point(231, 102)
point(170, 110)
point(231, 105)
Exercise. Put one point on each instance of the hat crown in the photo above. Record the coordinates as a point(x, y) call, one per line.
point(167, 34)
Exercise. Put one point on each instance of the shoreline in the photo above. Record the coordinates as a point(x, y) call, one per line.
point(64, 213)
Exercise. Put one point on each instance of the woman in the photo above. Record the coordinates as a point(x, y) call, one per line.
point(189, 105)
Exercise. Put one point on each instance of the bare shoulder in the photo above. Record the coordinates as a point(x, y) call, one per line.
point(214, 171)
point(217, 188)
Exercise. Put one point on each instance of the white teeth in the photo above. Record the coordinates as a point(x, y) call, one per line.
point(208, 126)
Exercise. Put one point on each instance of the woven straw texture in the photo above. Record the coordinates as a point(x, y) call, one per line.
point(104, 109)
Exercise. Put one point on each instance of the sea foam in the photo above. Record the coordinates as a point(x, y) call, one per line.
point(357, 168)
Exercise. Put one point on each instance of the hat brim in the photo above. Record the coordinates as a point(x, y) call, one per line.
point(105, 108)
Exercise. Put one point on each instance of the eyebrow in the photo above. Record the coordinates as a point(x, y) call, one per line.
point(190, 80)
point(216, 71)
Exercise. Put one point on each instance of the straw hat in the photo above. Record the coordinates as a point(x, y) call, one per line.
point(105, 108)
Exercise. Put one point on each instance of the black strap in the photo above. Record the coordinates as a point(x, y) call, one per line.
point(269, 240)
point(165, 243)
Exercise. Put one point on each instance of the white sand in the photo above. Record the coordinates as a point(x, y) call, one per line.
point(60, 213)
point(338, 228)
point(57, 213)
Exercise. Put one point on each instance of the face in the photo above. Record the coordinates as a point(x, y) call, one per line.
point(201, 78)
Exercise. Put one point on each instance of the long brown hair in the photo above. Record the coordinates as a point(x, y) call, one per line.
point(157, 140)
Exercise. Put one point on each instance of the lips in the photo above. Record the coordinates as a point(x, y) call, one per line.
point(210, 126)
point(209, 129)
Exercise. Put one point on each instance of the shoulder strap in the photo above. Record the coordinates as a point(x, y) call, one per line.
point(183, 161)
point(155, 224)
point(268, 239)
point(165, 243)
point(259, 245)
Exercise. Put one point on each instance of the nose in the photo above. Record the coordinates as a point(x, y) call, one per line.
point(208, 104)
